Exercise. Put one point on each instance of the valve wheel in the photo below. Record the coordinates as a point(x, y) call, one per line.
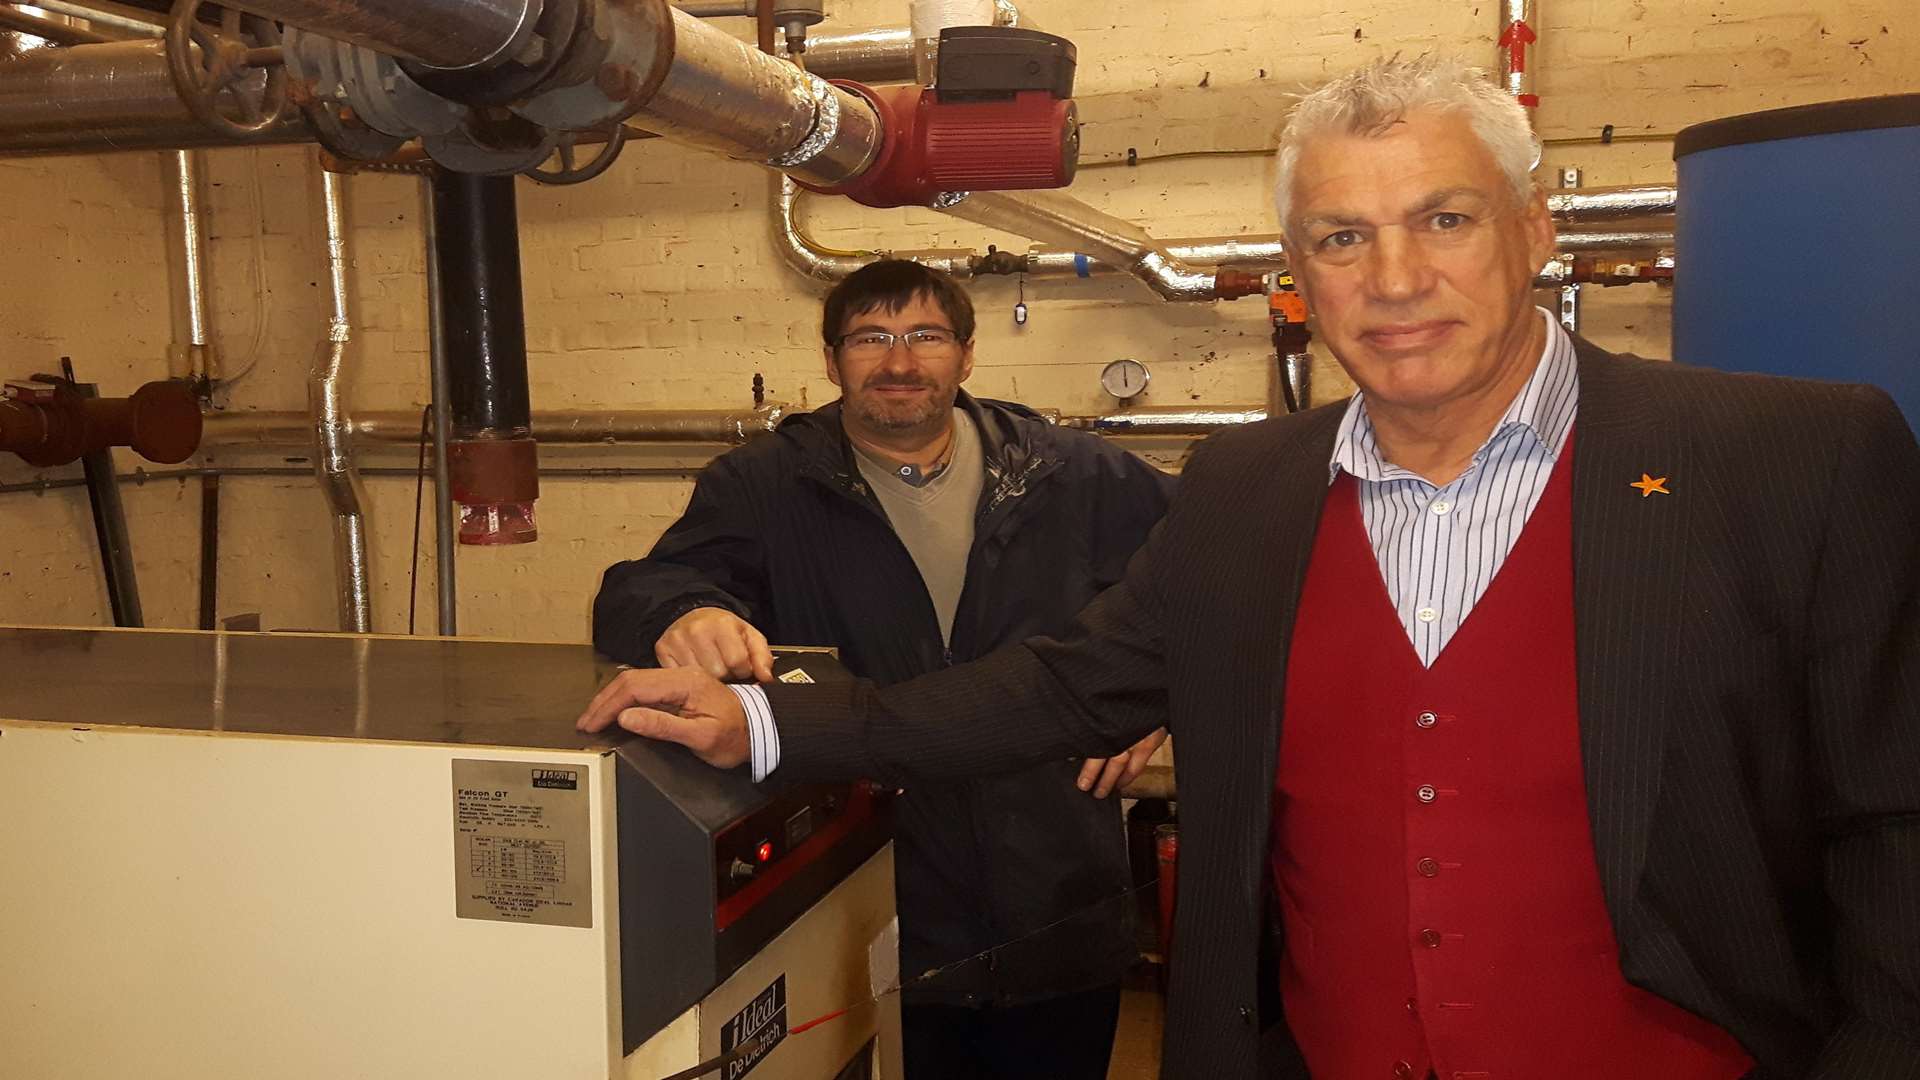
point(212, 72)
point(568, 172)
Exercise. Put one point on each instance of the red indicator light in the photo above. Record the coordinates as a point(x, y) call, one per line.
point(765, 850)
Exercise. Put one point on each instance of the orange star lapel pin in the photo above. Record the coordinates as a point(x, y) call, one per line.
point(1650, 484)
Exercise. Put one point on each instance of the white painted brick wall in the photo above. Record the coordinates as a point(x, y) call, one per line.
point(657, 286)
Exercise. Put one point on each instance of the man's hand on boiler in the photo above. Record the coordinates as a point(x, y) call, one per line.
point(682, 705)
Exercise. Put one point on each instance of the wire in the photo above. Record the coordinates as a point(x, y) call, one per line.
point(419, 494)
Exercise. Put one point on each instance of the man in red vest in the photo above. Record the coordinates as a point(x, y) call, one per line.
point(1542, 712)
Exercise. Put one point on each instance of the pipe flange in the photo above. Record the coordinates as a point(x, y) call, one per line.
point(497, 146)
point(826, 126)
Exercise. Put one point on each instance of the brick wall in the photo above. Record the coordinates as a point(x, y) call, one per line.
point(657, 286)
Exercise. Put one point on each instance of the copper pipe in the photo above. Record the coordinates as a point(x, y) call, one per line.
point(13, 20)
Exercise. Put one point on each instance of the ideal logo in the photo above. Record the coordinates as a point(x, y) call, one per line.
point(763, 1024)
point(557, 778)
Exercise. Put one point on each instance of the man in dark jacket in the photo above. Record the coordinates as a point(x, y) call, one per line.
point(1547, 713)
point(913, 527)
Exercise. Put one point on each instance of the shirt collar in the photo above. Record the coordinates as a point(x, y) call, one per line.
point(1543, 410)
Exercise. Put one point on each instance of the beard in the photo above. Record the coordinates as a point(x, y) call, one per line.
point(881, 414)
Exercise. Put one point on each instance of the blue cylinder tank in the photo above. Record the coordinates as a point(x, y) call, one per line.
point(1798, 234)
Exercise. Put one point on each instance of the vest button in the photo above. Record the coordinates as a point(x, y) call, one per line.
point(1428, 867)
point(1425, 793)
point(1402, 1070)
point(1246, 1015)
point(1425, 720)
point(1430, 938)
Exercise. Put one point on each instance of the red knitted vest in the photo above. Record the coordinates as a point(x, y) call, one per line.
point(1431, 844)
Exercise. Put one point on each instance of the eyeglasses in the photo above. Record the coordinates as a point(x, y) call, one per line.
point(931, 341)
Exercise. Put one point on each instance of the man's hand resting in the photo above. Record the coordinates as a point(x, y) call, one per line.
point(1102, 775)
point(718, 642)
point(682, 705)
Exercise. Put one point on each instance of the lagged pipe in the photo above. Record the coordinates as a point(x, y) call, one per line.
point(187, 210)
point(332, 428)
point(440, 33)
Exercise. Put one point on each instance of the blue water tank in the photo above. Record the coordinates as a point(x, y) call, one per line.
point(1798, 235)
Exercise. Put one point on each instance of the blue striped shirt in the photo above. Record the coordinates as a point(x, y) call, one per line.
point(1439, 547)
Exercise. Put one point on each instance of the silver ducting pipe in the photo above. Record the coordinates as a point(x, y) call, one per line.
point(1169, 421)
point(440, 33)
point(829, 265)
point(132, 21)
point(1257, 252)
point(882, 54)
point(579, 428)
point(1586, 205)
point(723, 94)
point(332, 430)
point(187, 221)
point(1062, 219)
point(93, 98)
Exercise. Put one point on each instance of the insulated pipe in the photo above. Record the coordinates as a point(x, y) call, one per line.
point(575, 427)
point(116, 96)
point(1598, 204)
point(1255, 252)
point(129, 20)
point(1063, 219)
point(332, 429)
point(1517, 36)
point(439, 33)
point(882, 54)
point(1169, 421)
point(187, 220)
point(13, 20)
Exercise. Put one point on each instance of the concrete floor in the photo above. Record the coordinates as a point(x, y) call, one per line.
point(1136, 1045)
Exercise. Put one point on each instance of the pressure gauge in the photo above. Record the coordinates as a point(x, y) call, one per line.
point(1125, 379)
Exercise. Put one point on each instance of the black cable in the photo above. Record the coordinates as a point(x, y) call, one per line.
point(419, 496)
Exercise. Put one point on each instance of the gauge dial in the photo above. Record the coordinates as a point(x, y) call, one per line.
point(1125, 379)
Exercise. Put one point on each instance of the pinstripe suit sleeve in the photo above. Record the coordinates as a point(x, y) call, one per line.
point(1863, 684)
point(1091, 693)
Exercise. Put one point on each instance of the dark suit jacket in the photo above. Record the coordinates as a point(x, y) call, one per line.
point(1749, 661)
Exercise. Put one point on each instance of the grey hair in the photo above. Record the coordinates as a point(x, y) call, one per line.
point(1368, 102)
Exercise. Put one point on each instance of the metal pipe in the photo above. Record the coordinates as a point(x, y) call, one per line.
point(439, 33)
point(141, 477)
point(109, 524)
point(13, 20)
point(209, 551)
point(116, 96)
point(446, 528)
point(579, 428)
point(715, 9)
point(1063, 219)
point(1516, 36)
point(187, 220)
point(722, 94)
point(1164, 421)
point(1586, 205)
point(332, 429)
point(131, 20)
point(881, 54)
